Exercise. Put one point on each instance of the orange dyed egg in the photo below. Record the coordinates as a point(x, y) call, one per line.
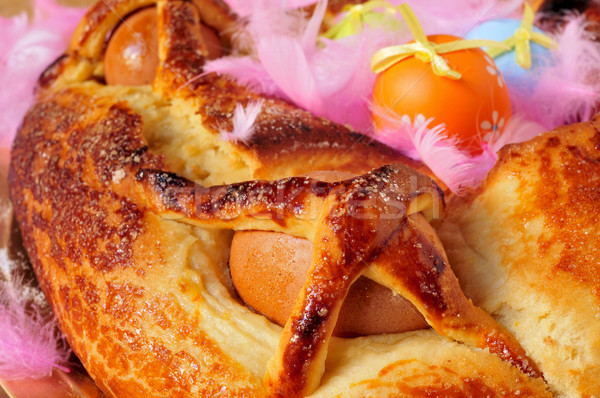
point(474, 108)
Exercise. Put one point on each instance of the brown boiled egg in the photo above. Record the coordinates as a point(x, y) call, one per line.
point(268, 270)
point(131, 56)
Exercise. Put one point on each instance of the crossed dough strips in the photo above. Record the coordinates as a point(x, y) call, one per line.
point(374, 225)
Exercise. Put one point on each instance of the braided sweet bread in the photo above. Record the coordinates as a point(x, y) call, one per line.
point(126, 197)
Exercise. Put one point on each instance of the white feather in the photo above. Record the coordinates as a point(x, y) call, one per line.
point(243, 122)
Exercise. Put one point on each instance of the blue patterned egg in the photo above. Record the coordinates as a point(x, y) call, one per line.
point(514, 75)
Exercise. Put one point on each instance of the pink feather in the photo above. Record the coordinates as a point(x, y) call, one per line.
point(344, 65)
point(569, 88)
point(441, 155)
point(267, 23)
point(287, 55)
point(245, 8)
point(286, 63)
point(30, 343)
point(311, 32)
point(264, 18)
point(246, 71)
point(243, 122)
point(431, 145)
point(457, 17)
point(428, 144)
point(332, 80)
point(517, 129)
point(26, 49)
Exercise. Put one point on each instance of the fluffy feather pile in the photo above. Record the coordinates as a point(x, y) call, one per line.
point(568, 90)
point(284, 56)
point(26, 49)
point(30, 343)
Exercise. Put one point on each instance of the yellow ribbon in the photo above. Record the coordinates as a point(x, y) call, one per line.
point(425, 50)
point(354, 19)
point(521, 39)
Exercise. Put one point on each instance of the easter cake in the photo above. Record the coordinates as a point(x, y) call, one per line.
point(242, 213)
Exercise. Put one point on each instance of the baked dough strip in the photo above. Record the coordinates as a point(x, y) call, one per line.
point(369, 224)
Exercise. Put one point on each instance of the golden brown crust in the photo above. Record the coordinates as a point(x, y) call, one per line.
point(93, 246)
point(539, 206)
point(360, 224)
point(105, 249)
